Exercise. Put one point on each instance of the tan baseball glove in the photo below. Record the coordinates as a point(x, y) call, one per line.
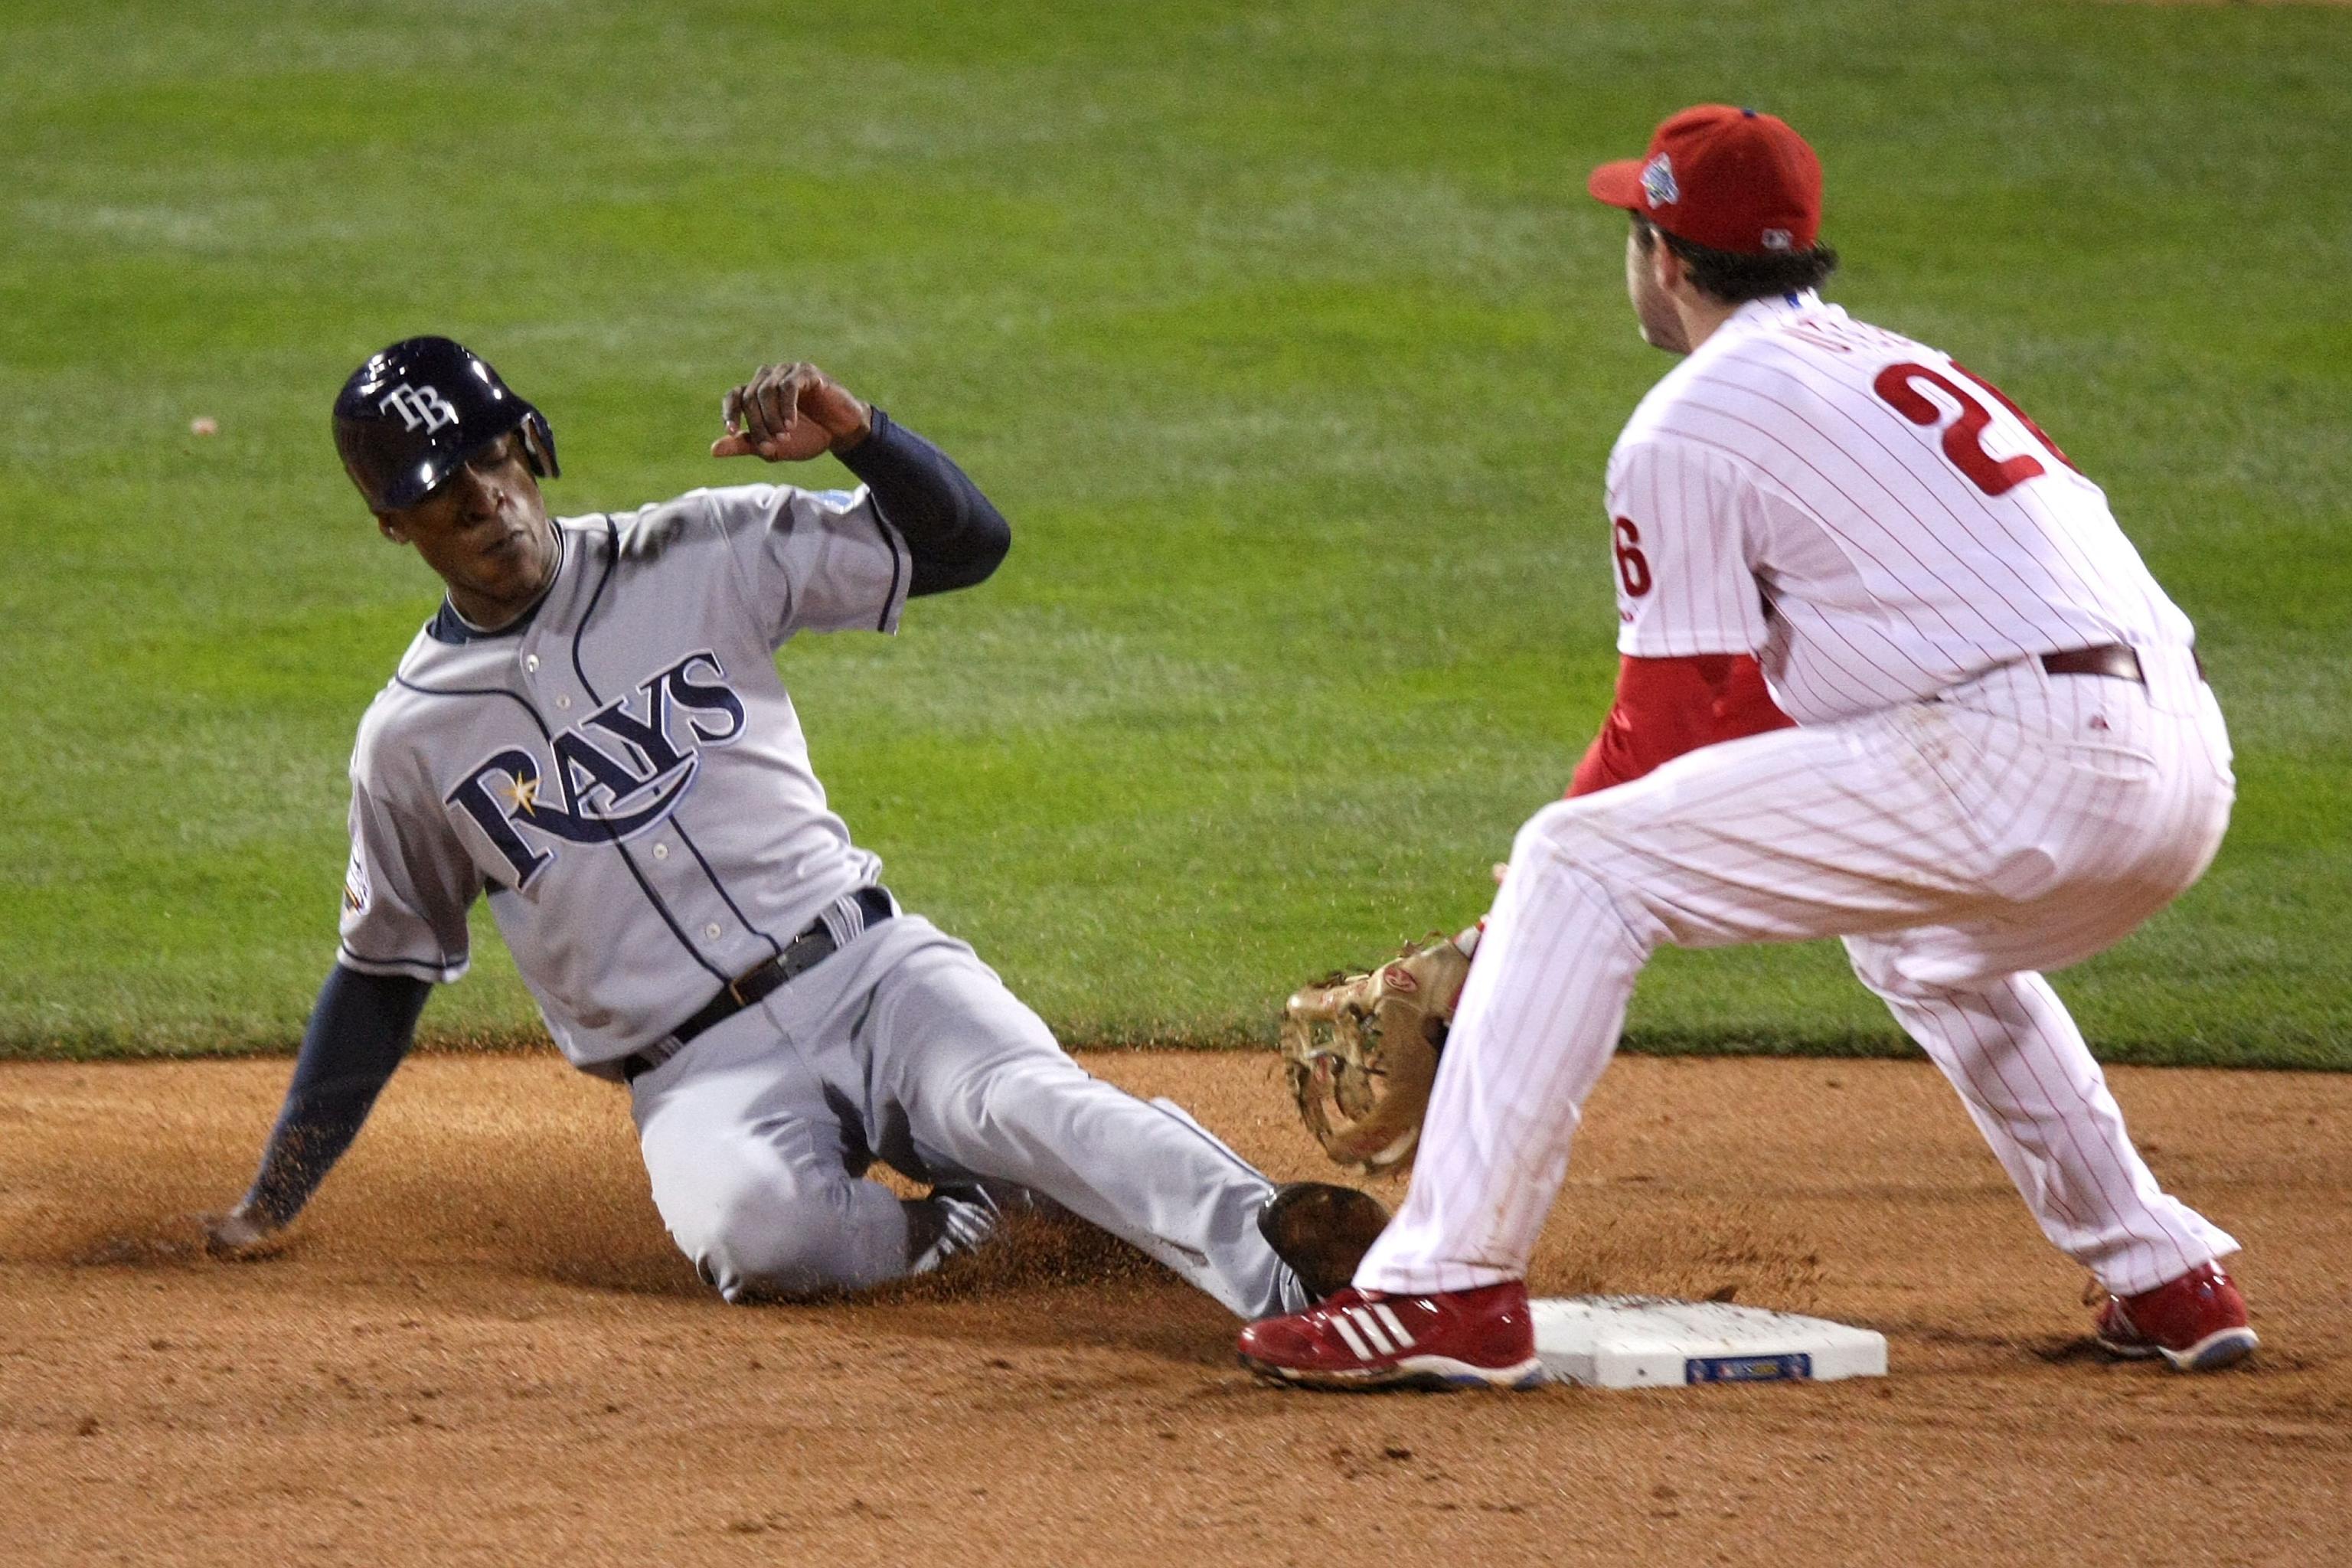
point(1361, 1052)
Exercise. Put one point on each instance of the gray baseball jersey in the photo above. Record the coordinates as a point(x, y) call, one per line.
point(626, 777)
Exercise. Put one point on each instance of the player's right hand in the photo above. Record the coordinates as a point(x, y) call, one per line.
point(789, 414)
point(241, 1236)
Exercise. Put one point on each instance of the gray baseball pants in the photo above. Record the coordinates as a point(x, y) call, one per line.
point(904, 1047)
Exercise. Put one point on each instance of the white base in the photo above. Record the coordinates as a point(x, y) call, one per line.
point(1649, 1341)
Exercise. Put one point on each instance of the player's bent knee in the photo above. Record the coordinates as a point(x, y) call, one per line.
point(1547, 831)
point(1562, 831)
point(767, 1247)
point(1896, 972)
point(774, 1263)
point(1878, 965)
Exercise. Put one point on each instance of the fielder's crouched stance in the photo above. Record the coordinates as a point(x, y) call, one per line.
point(2005, 758)
point(592, 733)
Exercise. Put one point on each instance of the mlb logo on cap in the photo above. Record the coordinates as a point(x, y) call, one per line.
point(1729, 179)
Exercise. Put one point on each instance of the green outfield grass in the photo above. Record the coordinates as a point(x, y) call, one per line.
point(1284, 332)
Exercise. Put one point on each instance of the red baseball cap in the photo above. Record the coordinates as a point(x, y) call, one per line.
point(1729, 179)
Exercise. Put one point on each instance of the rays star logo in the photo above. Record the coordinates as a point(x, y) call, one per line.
point(615, 773)
point(1658, 182)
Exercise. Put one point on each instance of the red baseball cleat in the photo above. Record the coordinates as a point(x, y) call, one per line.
point(1445, 1340)
point(2198, 1323)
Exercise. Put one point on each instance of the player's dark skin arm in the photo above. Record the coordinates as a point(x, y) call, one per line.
point(791, 413)
point(358, 1032)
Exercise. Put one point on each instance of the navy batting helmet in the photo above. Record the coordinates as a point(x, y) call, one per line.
point(409, 416)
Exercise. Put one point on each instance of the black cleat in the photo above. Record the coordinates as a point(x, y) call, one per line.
point(1322, 1230)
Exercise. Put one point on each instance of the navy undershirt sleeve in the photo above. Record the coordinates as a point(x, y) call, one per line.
point(359, 1030)
point(954, 533)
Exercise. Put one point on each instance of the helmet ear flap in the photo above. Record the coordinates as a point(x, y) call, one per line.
point(539, 446)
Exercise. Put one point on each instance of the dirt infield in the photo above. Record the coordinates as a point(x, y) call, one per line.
point(484, 1350)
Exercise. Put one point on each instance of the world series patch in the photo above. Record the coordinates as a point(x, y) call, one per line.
point(1746, 1368)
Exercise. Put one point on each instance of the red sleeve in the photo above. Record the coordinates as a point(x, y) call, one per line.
point(1668, 706)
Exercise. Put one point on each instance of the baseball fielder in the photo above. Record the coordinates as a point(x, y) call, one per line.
point(591, 733)
point(2004, 758)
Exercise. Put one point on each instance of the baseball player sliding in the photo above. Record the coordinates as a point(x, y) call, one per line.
point(592, 732)
point(2004, 758)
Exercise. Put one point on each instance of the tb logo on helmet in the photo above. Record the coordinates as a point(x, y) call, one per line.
point(419, 407)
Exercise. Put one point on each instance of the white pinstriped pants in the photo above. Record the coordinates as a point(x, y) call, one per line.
point(2021, 821)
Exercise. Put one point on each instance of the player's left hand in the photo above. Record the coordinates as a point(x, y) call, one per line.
point(789, 414)
point(241, 1236)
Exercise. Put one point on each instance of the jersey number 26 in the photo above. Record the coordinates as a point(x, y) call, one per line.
point(1964, 437)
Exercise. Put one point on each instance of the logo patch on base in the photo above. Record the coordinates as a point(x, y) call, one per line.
point(1747, 1368)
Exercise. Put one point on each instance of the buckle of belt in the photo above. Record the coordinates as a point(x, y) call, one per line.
point(756, 972)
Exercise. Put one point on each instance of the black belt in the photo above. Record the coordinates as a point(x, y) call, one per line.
point(2110, 659)
point(801, 954)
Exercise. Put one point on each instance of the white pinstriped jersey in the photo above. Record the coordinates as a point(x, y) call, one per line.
point(1871, 521)
point(623, 775)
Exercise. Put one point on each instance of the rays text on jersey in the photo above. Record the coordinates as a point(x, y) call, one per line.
point(615, 773)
